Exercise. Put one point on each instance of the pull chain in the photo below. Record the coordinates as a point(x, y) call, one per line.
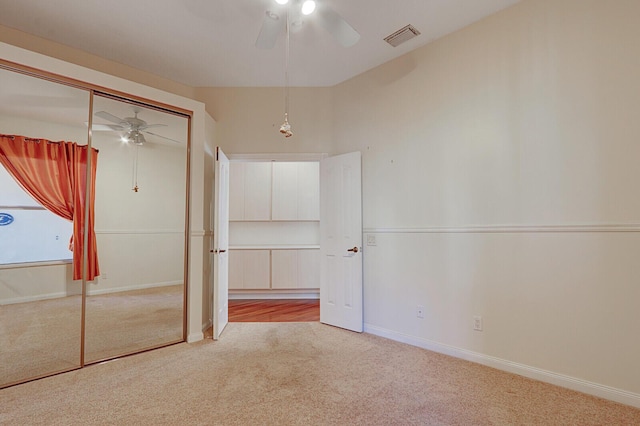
point(135, 170)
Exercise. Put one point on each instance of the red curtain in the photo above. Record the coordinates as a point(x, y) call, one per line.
point(54, 174)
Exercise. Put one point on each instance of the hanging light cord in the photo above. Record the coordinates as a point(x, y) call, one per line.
point(286, 69)
point(285, 129)
point(135, 170)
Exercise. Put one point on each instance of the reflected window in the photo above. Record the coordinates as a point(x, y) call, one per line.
point(28, 231)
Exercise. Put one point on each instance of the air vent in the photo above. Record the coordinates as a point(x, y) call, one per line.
point(402, 35)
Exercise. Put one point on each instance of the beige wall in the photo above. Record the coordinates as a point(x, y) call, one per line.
point(499, 164)
point(248, 119)
point(496, 163)
point(499, 179)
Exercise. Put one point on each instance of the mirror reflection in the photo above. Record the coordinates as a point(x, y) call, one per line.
point(40, 301)
point(135, 299)
point(137, 302)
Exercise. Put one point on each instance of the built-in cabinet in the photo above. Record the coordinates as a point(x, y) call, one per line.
point(250, 191)
point(296, 191)
point(274, 211)
point(282, 269)
point(249, 269)
point(295, 269)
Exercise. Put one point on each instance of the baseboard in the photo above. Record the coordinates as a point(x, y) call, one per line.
point(26, 299)
point(195, 337)
point(207, 325)
point(584, 386)
point(199, 335)
point(92, 292)
point(274, 294)
point(98, 291)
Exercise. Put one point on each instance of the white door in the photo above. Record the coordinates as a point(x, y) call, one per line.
point(341, 241)
point(220, 249)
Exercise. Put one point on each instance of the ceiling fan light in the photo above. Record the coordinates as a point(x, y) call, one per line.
point(308, 7)
point(282, 1)
point(138, 138)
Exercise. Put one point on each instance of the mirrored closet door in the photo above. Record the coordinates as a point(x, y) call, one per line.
point(93, 225)
point(137, 302)
point(43, 130)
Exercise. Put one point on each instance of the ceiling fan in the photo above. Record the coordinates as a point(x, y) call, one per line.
point(275, 21)
point(133, 127)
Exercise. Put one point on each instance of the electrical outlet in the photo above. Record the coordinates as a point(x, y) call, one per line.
point(103, 275)
point(371, 240)
point(420, 311)
point(477, 323)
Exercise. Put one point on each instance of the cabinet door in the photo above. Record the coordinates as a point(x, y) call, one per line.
point(296, 191)
point(257, 191)
point(309, 268)
point(236, 266)
point(249, 269)
point(236, 191)
point(295, 269)
point(309, 191)
point(257, 269)
point(284, 269)
point(285, 191)
point(249, 191)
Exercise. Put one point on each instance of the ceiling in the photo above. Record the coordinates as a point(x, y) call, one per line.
point(211, 43)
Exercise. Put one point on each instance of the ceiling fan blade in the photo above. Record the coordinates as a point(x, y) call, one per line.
point(104, 127)
point(337, 26)
point(107, 127)
point(148, 126)
point(272, 25)
point(160, 136)
point(110, 117)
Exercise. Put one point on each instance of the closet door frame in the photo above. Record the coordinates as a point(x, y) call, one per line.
point(93, 90)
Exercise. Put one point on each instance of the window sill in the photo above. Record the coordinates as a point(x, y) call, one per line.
point(36, 264)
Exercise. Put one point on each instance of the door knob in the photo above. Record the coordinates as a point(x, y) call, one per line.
point(355, 249)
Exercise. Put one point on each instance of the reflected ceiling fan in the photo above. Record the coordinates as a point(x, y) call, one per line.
point(133, 127)
point(275, 21)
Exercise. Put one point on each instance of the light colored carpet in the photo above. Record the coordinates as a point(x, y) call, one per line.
point(299, 374)
point(41, 337)
point(126, 322)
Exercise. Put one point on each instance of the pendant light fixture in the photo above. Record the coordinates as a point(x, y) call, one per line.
point(307, 8)
point(134, 174)
point(285, 129)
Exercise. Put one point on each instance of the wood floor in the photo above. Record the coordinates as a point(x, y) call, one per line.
point(290, 310)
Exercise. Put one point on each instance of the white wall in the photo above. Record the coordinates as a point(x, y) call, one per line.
point(500, 179)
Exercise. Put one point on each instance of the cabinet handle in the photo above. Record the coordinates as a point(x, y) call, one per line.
point(355, 249)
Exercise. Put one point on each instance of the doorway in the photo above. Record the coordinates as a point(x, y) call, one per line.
point(274, 215)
